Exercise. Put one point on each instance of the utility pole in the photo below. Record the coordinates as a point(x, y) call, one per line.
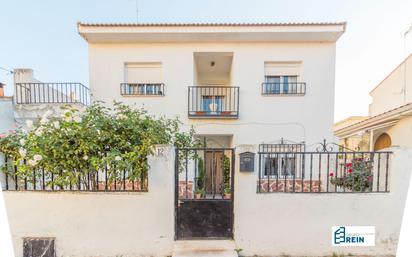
point(137, 11)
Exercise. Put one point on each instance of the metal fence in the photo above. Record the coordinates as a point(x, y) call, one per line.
point(40, 179)
point(281, 88)
point(323, 171)
point(204, 173)
point(41, 93)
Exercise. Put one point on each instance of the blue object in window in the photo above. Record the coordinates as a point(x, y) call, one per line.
point(212, 105)
point(285, 84)
point(219, 102)
point(150, 89)
point(272, 84)
point(207, 101)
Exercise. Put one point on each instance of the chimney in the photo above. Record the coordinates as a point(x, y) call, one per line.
point(2, 89)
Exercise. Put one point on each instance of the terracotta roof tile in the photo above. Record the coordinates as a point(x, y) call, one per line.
point(210, 24)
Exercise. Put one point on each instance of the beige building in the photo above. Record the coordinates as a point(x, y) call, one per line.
point(235, 83)
point(390, 115)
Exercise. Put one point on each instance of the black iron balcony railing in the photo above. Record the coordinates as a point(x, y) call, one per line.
point(213, 102)
point(51, 93)
point(277, 88)
point(142, 89)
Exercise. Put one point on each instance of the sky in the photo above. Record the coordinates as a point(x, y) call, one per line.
point(42, 35)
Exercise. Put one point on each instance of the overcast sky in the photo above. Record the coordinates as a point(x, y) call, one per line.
point(42, 34)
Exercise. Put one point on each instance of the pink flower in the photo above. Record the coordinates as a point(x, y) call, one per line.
point(350, 170)
point(331, 174)
point(349, 165)
point(3, 135)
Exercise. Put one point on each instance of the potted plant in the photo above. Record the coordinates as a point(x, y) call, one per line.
point(199, 193)
point(227, 193)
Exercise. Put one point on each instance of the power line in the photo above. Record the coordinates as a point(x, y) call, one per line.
point(9, 71)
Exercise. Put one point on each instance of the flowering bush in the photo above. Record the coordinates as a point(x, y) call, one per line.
point(359, 176)
point(77, 143)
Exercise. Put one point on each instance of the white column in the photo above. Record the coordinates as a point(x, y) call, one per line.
point(371, 140)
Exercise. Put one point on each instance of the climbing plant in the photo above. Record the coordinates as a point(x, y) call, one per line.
point(75, 143)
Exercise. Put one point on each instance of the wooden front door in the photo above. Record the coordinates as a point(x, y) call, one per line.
point(214, 172)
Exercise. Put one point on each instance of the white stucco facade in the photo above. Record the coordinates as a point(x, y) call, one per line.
point(395, 90)
point(6, 114)
point(261, 118)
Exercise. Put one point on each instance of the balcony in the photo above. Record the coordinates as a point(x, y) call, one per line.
point(142, 89)
point(291, 88)
point(213, 102)
point(51, 93)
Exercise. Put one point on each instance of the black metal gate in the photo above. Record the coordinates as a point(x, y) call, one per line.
point(204, 193)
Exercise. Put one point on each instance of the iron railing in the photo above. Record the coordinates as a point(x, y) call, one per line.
point(283, 145)
point(213, 102)
point(40, 179)
point(44, 93)
point(279, 88)
point(323, 171)
point(204, 173)
point(142, 89)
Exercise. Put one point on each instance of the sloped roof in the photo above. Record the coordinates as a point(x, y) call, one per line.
point(390, 115)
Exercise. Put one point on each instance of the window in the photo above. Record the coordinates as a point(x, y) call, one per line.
point(280, 166)
point(38, 246)
point(281, 78)
point(212, 104)
point(283, 159)
point(278, 84)
point(143, 78)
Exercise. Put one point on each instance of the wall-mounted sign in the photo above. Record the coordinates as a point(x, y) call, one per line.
point(247, 161)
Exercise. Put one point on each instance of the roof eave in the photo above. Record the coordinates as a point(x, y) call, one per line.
point(265, 32)
point(392, 115)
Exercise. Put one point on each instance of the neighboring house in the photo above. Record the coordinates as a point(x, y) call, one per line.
point(32, 98)
point(6, 111)
point(357, 142)
point(390, 115)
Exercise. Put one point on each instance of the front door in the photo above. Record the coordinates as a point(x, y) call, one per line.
point(204, 193)
point(214, 183)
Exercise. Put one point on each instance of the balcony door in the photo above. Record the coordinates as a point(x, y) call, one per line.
point(212, 104)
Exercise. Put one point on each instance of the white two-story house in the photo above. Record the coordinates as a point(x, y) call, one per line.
point(235, 83)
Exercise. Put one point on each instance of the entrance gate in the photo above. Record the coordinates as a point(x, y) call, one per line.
point(204, 193)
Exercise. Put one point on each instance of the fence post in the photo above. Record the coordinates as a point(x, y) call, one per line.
point(2, 175)
point(161, 171)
